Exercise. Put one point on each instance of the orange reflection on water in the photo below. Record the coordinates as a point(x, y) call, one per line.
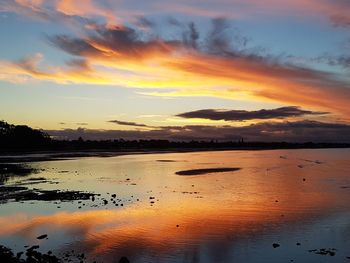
point(163, 227)
point(267, 194)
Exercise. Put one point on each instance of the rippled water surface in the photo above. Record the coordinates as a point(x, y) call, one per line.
point(298, 199)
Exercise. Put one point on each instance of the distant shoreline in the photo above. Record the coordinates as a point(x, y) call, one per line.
point(40, 156)
point(20, 143)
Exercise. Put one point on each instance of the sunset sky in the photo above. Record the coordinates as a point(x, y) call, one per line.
point(264, 70)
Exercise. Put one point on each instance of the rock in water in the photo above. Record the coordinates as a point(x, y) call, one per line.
point(124, 260)
point(42, 236)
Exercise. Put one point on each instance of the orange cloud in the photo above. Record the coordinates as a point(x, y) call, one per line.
point(30, 3)
point(86, 8)
point(121, 56)
point(118, 57)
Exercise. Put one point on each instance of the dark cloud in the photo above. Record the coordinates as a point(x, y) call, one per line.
point(190, 36)
point(144, 22)
point(226, 40)
point(342, 60)
point(124, 41)
point(174, 22)
point(298, 131)
point(243, 115)
point(128, 123)
point(73, 46)
point(218, 39)
point(222, 39)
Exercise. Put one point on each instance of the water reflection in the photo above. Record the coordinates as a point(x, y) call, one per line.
point(208, 218)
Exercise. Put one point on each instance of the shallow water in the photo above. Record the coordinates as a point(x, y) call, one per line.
point(278, 196)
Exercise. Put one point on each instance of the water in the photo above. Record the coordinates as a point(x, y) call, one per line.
point(280, 196)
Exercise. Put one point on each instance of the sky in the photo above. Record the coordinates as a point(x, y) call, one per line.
point(263, 70)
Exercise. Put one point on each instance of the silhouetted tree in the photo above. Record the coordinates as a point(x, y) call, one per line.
point(21, 137)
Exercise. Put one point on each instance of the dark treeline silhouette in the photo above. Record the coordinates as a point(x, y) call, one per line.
point(21, 138)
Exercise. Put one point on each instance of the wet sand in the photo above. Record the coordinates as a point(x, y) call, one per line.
point(62, 155)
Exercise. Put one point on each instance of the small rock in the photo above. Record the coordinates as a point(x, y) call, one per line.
point(42, 236)
point(124, 260)
point(33, 247)
point(275, 245)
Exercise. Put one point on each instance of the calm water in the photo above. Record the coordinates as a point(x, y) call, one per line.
point(281, 196)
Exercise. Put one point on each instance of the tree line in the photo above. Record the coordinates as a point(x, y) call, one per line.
point(19, 138)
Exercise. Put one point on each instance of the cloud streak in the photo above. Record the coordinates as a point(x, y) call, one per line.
point(128, 123)
point(244, 115)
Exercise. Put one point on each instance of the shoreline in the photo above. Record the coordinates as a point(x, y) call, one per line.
point(41, 156)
